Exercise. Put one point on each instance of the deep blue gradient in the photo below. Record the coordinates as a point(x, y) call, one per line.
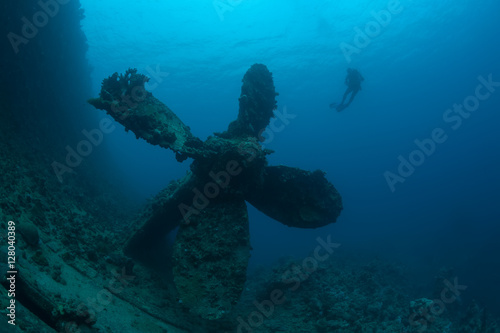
point(427, 58)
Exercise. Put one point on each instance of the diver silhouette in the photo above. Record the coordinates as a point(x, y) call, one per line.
point(353, 81)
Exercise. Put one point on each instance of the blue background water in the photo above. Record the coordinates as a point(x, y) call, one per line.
point(426, 59)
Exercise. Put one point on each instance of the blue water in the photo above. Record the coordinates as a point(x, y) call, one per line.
point(424, 58)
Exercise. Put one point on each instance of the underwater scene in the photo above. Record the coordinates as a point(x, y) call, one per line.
point(250, 166)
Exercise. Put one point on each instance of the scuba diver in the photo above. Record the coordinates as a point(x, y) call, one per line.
point(353, 81)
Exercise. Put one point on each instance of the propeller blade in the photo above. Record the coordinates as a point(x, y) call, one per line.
point(296, 197)
point(159, 217)
point(211, 255)
point(257, 103)
point(125, 98)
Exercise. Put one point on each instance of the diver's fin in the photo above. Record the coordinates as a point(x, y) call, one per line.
point(341, 107)
point(333, 105)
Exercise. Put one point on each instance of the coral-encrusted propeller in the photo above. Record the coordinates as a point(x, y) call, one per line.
point(212, 247)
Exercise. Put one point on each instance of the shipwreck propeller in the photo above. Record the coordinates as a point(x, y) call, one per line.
point(212, 246)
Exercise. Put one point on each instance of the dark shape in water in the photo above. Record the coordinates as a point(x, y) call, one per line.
point(212, 247)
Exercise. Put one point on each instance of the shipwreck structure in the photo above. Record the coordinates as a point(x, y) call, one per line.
point(212, 247)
